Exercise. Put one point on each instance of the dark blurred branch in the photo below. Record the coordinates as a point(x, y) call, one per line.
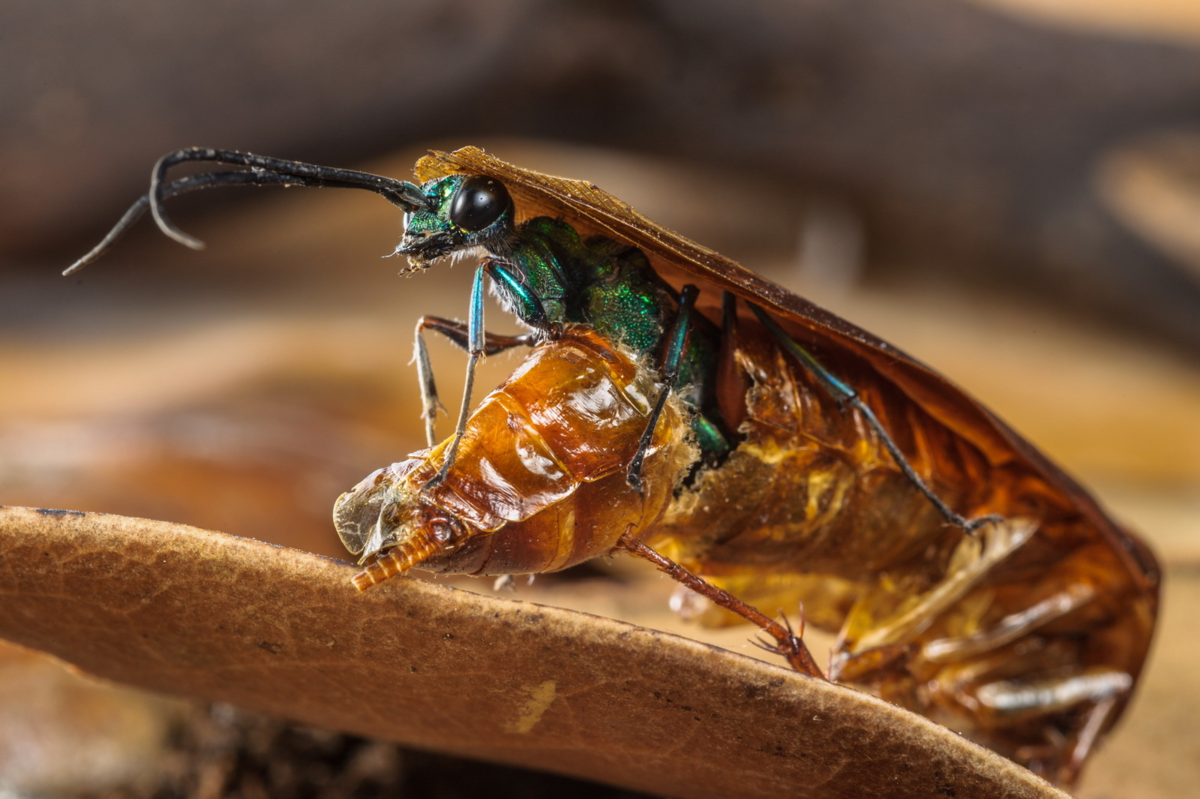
point(968, 140)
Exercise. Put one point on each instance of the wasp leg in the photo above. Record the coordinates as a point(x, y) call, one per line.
point(787, 643)
point(475, 349)
point(499, 272)
point(848, 396)
point(672, 357)
point(458, 335)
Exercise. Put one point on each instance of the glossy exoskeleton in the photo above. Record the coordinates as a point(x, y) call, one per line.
point(754, 446)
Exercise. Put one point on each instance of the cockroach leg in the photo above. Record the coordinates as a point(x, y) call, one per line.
point(1105, 690)
point(1087, 738)
point(874, 663)
point(787, 643)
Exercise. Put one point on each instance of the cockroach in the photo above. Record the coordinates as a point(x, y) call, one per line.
point(754, 446)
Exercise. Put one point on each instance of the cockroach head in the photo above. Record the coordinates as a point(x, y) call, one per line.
point(461, 212)
point(384, 513)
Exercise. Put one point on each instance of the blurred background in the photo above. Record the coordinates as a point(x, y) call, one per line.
point(1007, 189)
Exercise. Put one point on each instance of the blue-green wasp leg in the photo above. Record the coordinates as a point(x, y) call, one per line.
point(457, 333)
point(526, 303)
point(475, 349)
point(844, 395)
point(672, 357)
point(501, 272)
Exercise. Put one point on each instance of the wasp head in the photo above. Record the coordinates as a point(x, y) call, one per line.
point(461, 212)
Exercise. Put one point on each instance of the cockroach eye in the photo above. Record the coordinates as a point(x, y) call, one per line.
point(479, 202)
point(445, 535)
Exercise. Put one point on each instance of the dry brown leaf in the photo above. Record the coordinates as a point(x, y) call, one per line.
point(188, 611)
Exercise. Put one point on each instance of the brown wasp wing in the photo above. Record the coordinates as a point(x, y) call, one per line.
point(836, 341)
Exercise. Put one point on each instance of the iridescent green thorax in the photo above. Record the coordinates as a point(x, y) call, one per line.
point(613, 288)
point(549, 257)
point(621, 296)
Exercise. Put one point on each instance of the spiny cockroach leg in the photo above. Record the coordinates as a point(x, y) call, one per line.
point(787, 643)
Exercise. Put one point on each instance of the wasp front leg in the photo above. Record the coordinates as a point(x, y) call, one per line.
point(511, 284)
point(457, 334)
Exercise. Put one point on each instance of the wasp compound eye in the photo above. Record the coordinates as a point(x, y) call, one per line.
point(479, 202)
